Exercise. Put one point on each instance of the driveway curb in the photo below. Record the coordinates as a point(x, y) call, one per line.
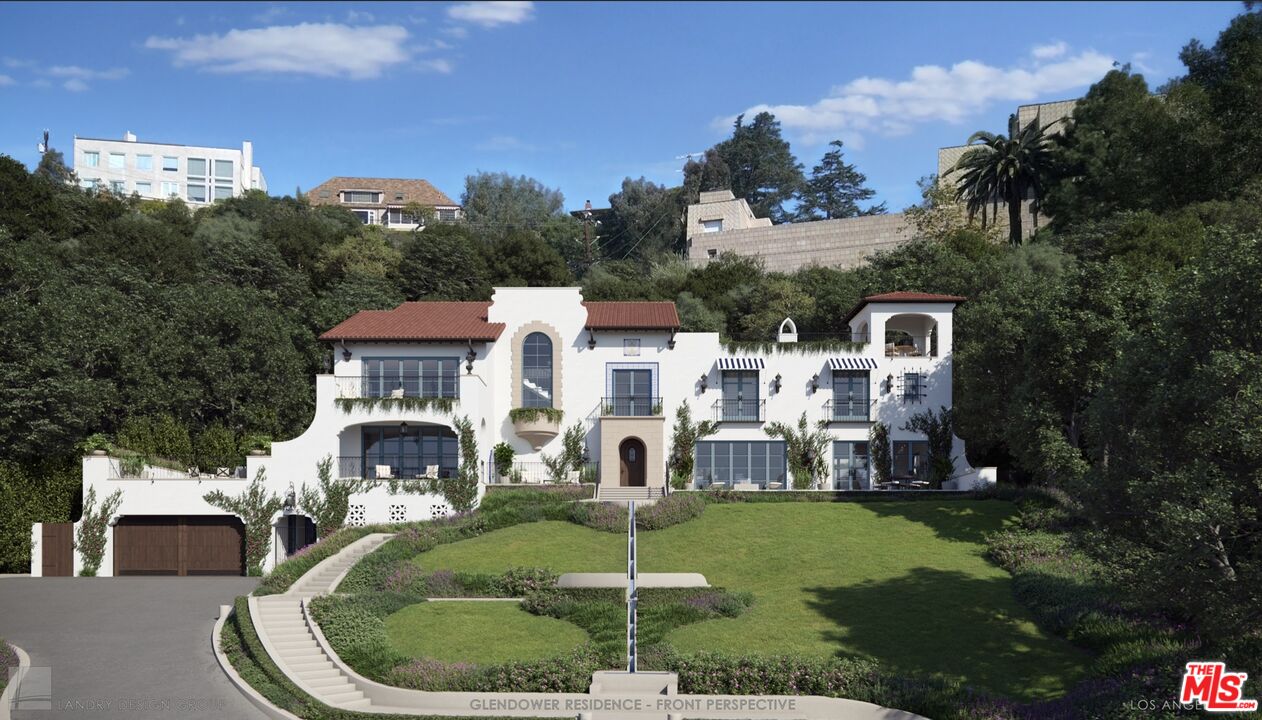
point(24, 666)
point(216, 645)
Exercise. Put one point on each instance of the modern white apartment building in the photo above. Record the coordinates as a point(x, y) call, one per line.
point(526, 367)
point(196, 174)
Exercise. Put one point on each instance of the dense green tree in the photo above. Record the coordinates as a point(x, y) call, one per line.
point(645, 219)
point(364, 254)
point(444, 262)
point(708, 173)
point(835, 190)
point(522, 258)
point(498, 203)
point(763, 168)
point(1229, 74)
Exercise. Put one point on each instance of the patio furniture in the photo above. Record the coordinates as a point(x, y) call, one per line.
point(775, 486)
point(572, 477)
point(382, 472)
point(745, 486)
point(397, 392)
point(194, 472)
point(431, 473)
point(223, 472)
point(718, 484)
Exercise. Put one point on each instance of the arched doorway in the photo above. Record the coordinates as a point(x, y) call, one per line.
point(631, 461)
point(295, 533)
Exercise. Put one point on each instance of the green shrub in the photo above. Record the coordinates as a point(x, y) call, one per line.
point(286, 573)
point(157, 437)
point(504, 455)
point(357, 632)
point(8, 659)
point(216, 447)
point(90, 536)
point(31, 495)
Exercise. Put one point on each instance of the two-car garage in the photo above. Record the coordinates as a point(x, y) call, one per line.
point(179, 545)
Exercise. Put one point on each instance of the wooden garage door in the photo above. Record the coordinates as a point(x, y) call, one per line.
point(184, 545)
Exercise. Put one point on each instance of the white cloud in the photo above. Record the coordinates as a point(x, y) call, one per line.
point(1051, 51)
point(931, 93)
point(6, 80)
point(356, 16)
point(271, 14)
point(493, 12)
point(438, 65)
point(75, 85)
point(81, 73)
point(504, 143)
point(320, 49)
point(457, 32)
point(16, 63)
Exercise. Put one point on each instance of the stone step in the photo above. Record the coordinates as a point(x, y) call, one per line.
point(278, 637)
point(358, 704)
point(337, 684)
point(299, 666)
point(316, 675)
point(339, 698)
point(307, 643)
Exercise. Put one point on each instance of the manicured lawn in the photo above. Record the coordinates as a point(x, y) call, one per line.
point(479, 632)
point(903, 582)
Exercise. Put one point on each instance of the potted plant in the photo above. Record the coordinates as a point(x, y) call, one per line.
point(96, 444)
point(503, 454)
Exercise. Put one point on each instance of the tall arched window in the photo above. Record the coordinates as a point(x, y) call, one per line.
point(536, 366)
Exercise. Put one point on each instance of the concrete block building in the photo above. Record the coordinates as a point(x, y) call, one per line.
point(197, 174)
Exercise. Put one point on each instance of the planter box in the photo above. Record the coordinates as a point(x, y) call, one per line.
point(537, 431)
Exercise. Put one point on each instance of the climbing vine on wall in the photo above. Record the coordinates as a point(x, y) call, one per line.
point(90, 537)
point(327, 502)
point(255, 507)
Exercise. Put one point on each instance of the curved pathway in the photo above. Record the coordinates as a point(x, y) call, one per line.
point(286, 632)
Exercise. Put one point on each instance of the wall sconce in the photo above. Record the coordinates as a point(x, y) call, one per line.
point(776, 383)
point(670, 344)
point(587, 456)
point(814, 383)
point(889, 383)
point(469, 357)
point(591, 340)
point(705, 381)
point(403, 428)
point(346, 353)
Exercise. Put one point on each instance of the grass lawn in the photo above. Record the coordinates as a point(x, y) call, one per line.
point(903, 582)
point(479, 632)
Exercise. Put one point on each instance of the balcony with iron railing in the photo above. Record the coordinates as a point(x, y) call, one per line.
point(357, 467)
point(848, 410)
point(437, 386)
point(738, 410)
point(631, 406)
point(540, 473)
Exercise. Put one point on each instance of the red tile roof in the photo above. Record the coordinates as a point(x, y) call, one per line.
point(632, 316)
point(903, 297)
point(453, 321)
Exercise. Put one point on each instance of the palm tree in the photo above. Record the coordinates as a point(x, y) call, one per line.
point(1004, 169)
point(805, 450)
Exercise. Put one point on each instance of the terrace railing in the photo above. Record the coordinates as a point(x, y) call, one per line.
point(750, 411)
point(631, 406)
point(856, 410)
point(538, 473)
point(399, 468)
point(398, 386)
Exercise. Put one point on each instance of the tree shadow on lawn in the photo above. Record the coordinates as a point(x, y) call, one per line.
point(949, 623)
point(955, 520)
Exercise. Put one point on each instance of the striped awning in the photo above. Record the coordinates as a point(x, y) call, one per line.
point(741, 363)
point(847, 363)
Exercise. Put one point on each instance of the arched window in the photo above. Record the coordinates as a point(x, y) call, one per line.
point(536, 366)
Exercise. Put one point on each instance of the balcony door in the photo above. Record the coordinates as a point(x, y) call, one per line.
point(740, 395)
point(407, 452)
point(851, 466)
point(632, 393)
point(850, 394)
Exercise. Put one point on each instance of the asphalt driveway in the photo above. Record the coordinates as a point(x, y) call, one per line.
point(127, 647)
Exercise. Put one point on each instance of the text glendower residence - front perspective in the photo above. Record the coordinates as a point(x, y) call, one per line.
point(525, 368)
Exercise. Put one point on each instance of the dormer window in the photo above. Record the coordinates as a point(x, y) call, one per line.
point(370, 197)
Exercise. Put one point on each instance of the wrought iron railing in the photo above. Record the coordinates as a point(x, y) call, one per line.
point(726, 410)
point(446, 385)
point(856, 410)
point(396, 468)
point(631, 406)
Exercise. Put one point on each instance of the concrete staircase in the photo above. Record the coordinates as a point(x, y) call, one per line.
point(626, 494)
point(286, 633)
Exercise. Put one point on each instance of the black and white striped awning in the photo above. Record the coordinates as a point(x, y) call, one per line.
point(860, 363)
point(741, 363)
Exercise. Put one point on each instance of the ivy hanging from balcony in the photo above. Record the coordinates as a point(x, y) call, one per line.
point(409, 404)
point(806, 347)
point(532, 414)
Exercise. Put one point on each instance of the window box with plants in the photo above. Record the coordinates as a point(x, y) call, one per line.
point(536, 425)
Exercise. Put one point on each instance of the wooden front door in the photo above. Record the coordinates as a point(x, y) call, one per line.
point(58, 550)
point(173, 545)
point(631, 463)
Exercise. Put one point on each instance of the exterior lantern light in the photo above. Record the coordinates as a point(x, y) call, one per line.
point(776, 382)
point(469, 357)
point(670, 344)
point(815, 382)
point(346, 353)
point(403, 428)
point(705, 381)
point(889, 383)
point(591, 340)
point(587, 455)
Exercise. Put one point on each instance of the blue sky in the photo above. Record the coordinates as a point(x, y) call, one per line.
point(577, 95)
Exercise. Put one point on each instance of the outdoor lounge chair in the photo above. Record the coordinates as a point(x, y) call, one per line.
point(397, 392)
point(382, 472)
point(431, 473)
point(572, 477)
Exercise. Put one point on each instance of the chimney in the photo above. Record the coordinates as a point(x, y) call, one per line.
point(129, 136)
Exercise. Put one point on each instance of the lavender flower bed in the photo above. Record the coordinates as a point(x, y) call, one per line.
point(670, 510)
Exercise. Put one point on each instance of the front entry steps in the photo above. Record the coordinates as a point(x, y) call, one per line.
point(622, 494)
point(286, 633)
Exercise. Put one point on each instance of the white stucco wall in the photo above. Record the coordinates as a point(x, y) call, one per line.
point(486, 397)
